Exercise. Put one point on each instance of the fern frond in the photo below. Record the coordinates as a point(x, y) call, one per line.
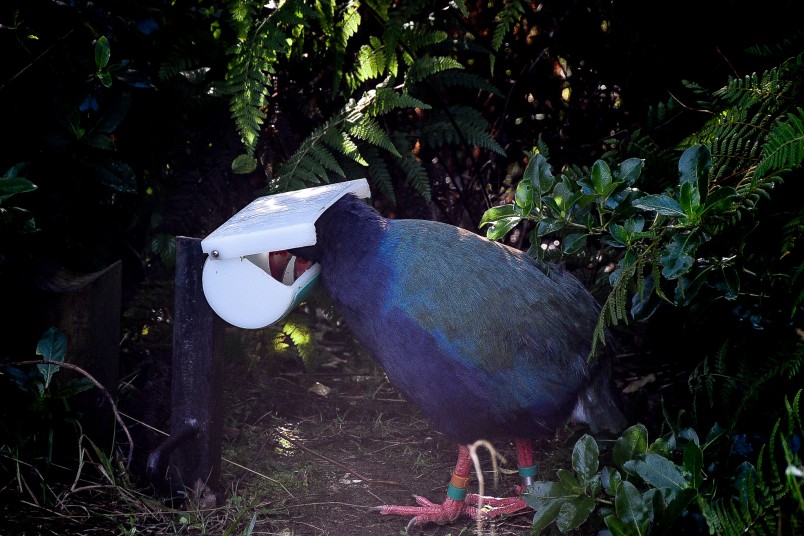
point(416, 175)
point(379, 176)
point(462, 79)
point(785, 146)
point(258, 46)
point(386, 100)
point(341, 33)
point(459, 125)
point(510, 14)
point(369, 130)
point(428, 66)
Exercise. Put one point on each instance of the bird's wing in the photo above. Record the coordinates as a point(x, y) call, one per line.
point(491, 310)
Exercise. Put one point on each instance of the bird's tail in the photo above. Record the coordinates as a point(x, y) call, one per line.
point(599, 405)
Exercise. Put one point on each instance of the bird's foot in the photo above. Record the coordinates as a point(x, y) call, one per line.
point(429, 512)
point(495, 506)
point(451, 509)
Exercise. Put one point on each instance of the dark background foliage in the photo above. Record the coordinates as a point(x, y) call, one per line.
point(127, 154)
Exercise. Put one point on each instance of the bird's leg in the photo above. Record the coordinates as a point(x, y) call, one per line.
point(509, 505)
point(452, 507)
point(458, 502)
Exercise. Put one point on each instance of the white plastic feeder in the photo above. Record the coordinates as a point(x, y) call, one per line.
point(237, 280)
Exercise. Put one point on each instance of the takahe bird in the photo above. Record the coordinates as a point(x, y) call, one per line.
point(488, 342)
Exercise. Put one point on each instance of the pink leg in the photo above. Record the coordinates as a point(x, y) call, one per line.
point(458, 502)
point(452, 507)
point(509, 505)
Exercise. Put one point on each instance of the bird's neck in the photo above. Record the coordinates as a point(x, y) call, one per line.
point(349, 236)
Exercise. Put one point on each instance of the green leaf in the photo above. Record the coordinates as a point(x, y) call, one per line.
point(524, 196)
point(497, 213)
point(547, 226)
point(567, 478)
point(545, 514)
point(117, 175)
point(630, 170)
point(722, 200)
point(585, 458)
point(105, 78)
point(601, 177)
point(14, 185)
point(541, 492)
point(619, 234)
point(689, 197)
point(632, 443)
point(659, 472)
point(539, 173)
point(693, 464)
point(634, 225)
point(678, 256)
point(501, 227)
point(693, 167)
point(611, 480)
point(573, 512)
point(661, 204)
point(732, 279)
point(674, 510)
point(51, 347)
point(630, 508)
point(573, 243)
point(102, 53)
point(616, 526)
point(243, 164)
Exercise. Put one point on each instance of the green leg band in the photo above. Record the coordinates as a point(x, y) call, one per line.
point(525, 472)
point(456, 494)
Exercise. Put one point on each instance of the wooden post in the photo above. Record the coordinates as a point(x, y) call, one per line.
point(196, 420)
point(86, 308)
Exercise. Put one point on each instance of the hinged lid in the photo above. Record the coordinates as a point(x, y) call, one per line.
point(278, 222)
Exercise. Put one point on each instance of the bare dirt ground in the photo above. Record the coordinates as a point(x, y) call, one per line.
point(323, 449)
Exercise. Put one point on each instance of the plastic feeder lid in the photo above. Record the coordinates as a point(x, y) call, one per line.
point(278, 222)
point(237, 280)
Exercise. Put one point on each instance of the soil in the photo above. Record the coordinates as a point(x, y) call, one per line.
point(323, 449)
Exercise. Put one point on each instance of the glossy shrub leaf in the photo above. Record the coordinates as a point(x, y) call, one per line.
point(547, 226)
point(693, 464)
point(678, 256)
point(585, 456)
point(573, 512)
point(501, 227)
point(497, 213)
point(693, 167)
point(573, 243)
point(722, 200)
point(632, 443)
point(601, 177)
point(630, 170)
point(102, 52)
point(540, 493)
point(540, 175)
point(610, 479)
point(524, 196)
point(661, 204)
point(732, 279)
point(659, 472)
point(630, 508)
point(545, 515)
point(619, 234)
point(14, 185)
point(51, 347)
point(689, 197)
point(243, 164)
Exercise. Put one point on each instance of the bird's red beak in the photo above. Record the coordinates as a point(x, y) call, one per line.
point(278, 263)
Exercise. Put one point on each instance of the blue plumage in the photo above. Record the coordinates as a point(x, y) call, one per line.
point(485, 340)
point(488, 342)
